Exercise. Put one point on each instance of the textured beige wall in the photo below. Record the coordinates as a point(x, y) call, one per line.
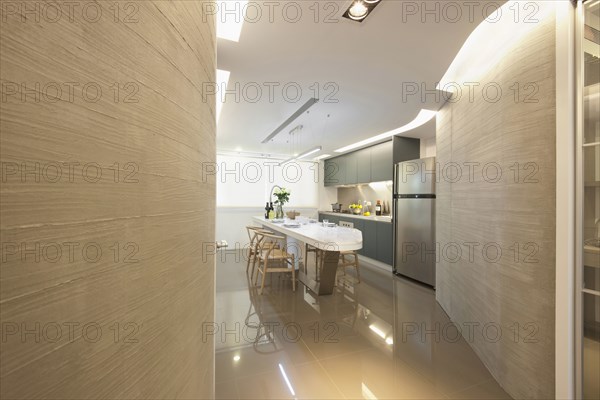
point(150, 290)
point(513, 289)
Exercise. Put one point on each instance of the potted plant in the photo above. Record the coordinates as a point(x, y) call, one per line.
point(283, 196)
point(356, 208)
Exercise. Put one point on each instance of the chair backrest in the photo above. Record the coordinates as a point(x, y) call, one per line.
point(263, 240)
point(253, 232)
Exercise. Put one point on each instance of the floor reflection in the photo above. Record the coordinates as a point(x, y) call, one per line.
point(367, 340)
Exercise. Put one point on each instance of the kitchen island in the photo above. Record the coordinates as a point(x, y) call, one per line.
point(331, 240)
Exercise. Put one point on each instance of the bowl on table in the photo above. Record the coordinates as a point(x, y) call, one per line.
point(292, 214)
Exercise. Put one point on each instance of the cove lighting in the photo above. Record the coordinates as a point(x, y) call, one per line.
point(230, 19)
point(423, 117)
point(476, 57)
point(322, 156)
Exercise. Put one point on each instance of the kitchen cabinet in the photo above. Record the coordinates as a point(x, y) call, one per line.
point(382, 164)
point(385, 243)
point(377, 236)
point(334, 172)
point(373, 164)
point(331, 218)
point(363, 165)
point(370, 239)
point(350, 162)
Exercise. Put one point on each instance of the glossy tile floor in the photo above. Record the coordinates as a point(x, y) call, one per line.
point(382, 338)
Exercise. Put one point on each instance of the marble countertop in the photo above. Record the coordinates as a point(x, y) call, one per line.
point(378, 218)
point(325, 238)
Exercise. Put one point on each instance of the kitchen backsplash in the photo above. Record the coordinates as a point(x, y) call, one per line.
point(371, 192)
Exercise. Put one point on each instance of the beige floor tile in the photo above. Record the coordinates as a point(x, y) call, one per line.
point(306, 381)
point(375, 374)
point(349, 344)
point(488, 390)
point(226, 390)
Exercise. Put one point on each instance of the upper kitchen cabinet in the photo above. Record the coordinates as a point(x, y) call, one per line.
point(372, 164)
point(407, 149)
point(350, 161)
point(363, 165)
point(382, 163)
point(335, 171)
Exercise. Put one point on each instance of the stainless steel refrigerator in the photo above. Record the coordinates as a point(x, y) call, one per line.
point(414, 220)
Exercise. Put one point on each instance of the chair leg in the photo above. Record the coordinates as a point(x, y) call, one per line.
point(257, 273)
point(249, 258)
point(254, 260)
point(356, 265)
point(264, 272)
point(293, 274)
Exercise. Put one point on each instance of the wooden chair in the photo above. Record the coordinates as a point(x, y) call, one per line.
point(273, 259)
point(351, 261)
point(253, 246)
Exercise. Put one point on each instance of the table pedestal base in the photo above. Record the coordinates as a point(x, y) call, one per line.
point(327, 277)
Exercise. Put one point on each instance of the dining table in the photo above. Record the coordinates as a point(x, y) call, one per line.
point(329, 238)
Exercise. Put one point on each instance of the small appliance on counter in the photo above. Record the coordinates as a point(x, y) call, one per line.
point(336, 207)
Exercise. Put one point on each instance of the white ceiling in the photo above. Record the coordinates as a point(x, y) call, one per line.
point(367, 61)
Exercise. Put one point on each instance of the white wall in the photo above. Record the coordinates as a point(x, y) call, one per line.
point(243, 187)
point(428, 148)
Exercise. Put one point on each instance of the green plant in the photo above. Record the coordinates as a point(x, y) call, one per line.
point(283, 196)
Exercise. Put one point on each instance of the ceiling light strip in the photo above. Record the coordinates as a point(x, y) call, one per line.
point(423, 117)
point(311, 102)
point(305, 154)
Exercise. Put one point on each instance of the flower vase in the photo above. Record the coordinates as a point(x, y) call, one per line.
point(279, 211)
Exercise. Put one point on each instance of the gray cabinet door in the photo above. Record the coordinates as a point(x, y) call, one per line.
point(385, 242)
point(334, 172)
point(382, 162)
point(331, 218)
point(363, 165)
point(350, 162)
point(370, 239)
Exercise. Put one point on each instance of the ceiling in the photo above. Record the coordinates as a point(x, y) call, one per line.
point(361, 65)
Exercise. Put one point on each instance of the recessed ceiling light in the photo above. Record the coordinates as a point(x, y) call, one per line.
point(358, 10)
point(236, 358)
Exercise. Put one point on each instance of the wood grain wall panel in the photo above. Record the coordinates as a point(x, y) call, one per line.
point(504, 290)
point(152, 287)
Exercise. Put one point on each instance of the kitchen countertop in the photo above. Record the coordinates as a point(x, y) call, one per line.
point(378, 218)
point(315, 234)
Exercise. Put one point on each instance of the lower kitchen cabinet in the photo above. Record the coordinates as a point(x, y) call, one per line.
point(370, 239)
point(378, 243)
point(385, 243)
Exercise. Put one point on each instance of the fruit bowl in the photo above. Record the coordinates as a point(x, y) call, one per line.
point(292, 214)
